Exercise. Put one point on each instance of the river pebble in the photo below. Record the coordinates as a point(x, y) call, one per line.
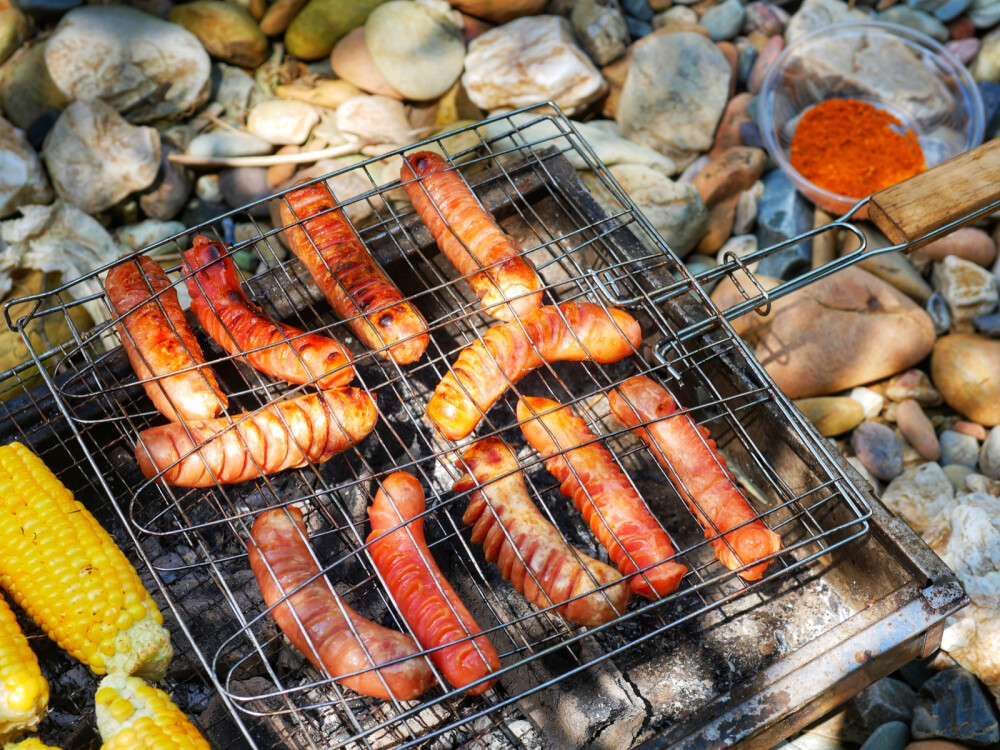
point(989, 454)
point(879, 450)
point(957, 448)
point(921, 494)
point(918, 429)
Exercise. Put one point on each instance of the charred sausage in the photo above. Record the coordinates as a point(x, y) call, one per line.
point(428, 603)
point(698, 472)
point(284, 435)
point(529, 551)
point(240, 327)
point(509, 351)
point(356, 287)
point(589, 476)
point(469, 237)
point(159, 342)
point(287, 574)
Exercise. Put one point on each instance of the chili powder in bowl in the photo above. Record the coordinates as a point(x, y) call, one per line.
point(853, 108)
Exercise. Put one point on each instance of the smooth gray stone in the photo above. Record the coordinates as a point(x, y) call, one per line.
point(891, 736)
point(918, 20)
point(782, 213)
point(937, 308)
point(877, 447)
point(638, 9)
point(988, 324)
point(953, 705)
point(724, 20)
point(243, 185)
point(637, 28)
point(944, 10)
point(958, 448)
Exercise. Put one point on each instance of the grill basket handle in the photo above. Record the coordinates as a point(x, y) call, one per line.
point(949, 193)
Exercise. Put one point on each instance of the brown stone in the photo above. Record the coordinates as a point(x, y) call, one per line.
point(966, 369)
point(730, 173)
point(278, 174)
point(832, 415)
point(749, 326)
point(721, 218)
point(728, 133)
point(728, 49)
point(968, 243)
point(845, 330)
point(917, 429)
point(499, 11)
point(350, 60)
point(934, 745)
point(972, 429)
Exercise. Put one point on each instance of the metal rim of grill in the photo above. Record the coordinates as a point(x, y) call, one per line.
point(588, 242)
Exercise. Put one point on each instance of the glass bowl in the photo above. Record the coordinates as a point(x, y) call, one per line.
point(892, 67)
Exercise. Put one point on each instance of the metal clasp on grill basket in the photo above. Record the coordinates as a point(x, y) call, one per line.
point(721, 660)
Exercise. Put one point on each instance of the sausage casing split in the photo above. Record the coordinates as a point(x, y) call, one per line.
point(698, 472)
point(507, 352)
point(469, 237)
point(284, 435)
point(159, 342)
point(353, 283)
point(517, 537)
point(239, 326)
point(427, 602)
point(589, 476)
point(282, 562)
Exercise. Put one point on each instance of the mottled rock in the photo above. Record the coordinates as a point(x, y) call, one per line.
point(601, 30)
point(325, 93)
point(674, 95)
point(378, 118)
point(892, 735)
point(782, 213)
point(146, 233)
point(766, 18)
point(989, 454)
point(920, 495)
point(918, 429)
point(960, 449)
point(675, 209)
point(417, 47)
point(765, 59)
point(815, 14)
point(22, 178)
point(321, 23)
point(95, 158)
point(27, 91)
point(611, 148)
point(969, 289)
point(879, 450)
point(952, 705)
point(871, 402)
point(968, 243)
point(747, 56)
point(282, 122)
point(739, 246)
point(832, 415)
point(937, 307)
point(724, 20)
point(531, 60)
point(15, 28)
point(227, 31)
point(746, 212)
point(228, 143)
point(728, 173)
point(727, 135)
point(912, 18)
point(965, 368)
point(165, 198)
point(123, 57)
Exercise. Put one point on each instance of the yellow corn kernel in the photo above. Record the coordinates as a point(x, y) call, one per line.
point(24, 693)
point(29, 743)
point(132, 715)
point(66, 572)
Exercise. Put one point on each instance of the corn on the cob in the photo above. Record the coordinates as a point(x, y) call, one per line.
point(29, 743)
point(132, 715)
point(24, 693)
point(66, 572)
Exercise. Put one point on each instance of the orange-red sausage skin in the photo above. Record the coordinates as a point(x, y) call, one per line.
point(697, 470)
point(589, 476)
point(159, 342)
point(279, 543)
point(467, 234)
point(428, 603)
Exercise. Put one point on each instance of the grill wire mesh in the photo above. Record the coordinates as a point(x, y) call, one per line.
point(588, 242)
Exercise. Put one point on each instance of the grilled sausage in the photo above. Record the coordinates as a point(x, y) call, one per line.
point(282, 563)
point(159, 342)
point(284, 435)
point(529, 551)
point(428, 603)
point(239, 326)
point(469, 237)
point(698, 472)
point(509, 351)
point(356, 287)
point(589, 476)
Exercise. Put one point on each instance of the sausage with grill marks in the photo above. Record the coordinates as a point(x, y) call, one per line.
point(573, 331)
point(518, 538)
point(159, 342)
point(282, 563)
point(355, 285)
point(428, 603)
point(283, 435)
point(467, 234)
point(239, 326)
point(698, 472)
point(589, 476)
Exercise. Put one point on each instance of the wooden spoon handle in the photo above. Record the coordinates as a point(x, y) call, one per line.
point(912, 209)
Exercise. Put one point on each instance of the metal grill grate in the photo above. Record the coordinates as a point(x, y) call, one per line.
point(588, 242)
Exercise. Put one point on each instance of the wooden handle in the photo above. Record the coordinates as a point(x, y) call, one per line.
point(915, 207)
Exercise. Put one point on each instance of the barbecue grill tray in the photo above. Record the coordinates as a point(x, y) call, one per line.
point(853, 595)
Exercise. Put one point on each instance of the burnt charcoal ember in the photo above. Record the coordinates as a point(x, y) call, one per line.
point(953, 705)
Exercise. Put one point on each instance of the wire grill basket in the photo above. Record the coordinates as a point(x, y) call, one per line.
point(589, 243)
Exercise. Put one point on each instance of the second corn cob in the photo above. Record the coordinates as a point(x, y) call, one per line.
point(30, 743)
point(24, 693)
point(132, 715)
point(68, 574)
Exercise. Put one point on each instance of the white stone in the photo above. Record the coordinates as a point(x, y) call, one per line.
point(814, 14)
point(377, 119)
point(22, 179)
point(989, 454)
point(870, 401)
point(145, 233)
point(741, 246)
point(969, 289)
point(222, 143)
point(531, 60)
point(96, 158)
point(130, 59)
point(207, 188)
point(611, 147)
point(746, 213)
point(920, 495)
point(282, 122)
